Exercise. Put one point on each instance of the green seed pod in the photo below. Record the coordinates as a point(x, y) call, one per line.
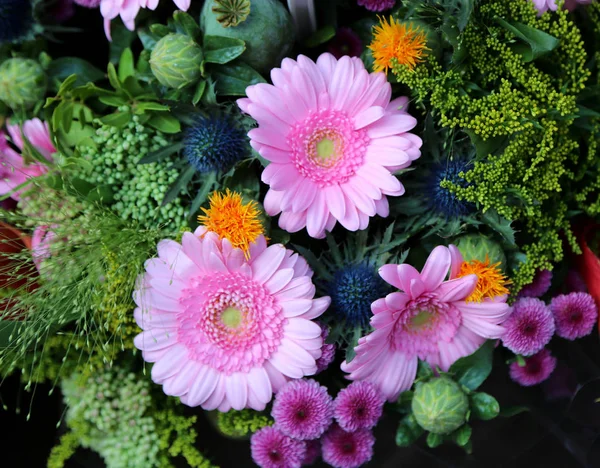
point(477, 246)
point(175, 61)
point(22, 83)
point(440, 406)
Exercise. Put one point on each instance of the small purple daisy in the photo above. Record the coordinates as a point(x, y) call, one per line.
point(575, 315)
point(537, 368)
point(327, 350)
point(539, 286)
point(377, 5)
point(529, 328)
point(313, 452)
point(345, 42)
point(343, 449)
point(303, 409)
point(358, 406)
point(273, 449)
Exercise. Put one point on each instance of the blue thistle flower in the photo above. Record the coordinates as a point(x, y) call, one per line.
point(15, 19)
point(214, 143)
point(442, 200)
point(353, 289)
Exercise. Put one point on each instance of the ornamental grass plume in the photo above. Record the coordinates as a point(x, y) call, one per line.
point(429, 318)
point(333, 139)
point(223, 330)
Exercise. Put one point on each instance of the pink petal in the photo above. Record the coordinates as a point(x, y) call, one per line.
point(236, 388)
point(296, 307)
point(277, 379)
point(272, 202)
point(457, 289)
point(301, 329)
point(170, 364)
point(397, 300)
point(279, 280)
point(406, 274)
point(152, 340)
point(456, 260)
point(216, 397)
point(202, 386)
point(389, 273)
point(319, 306)
point(335, 201)
point(368, 116)
point(317, 216)
point(267, 263)
point(436, 268)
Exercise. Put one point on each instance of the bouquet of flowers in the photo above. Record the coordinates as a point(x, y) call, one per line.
point(296, 220)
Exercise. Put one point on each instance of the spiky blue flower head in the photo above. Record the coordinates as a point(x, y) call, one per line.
point(442, 200)
point(215, 143)
point(353, 289)
point(15, 19)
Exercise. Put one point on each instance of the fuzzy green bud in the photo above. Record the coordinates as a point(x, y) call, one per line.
point(22, 83)
point(176, 60)
point(477, 246)
point(440, 406)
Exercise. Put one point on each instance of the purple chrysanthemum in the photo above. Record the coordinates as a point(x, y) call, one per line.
point(343, 449)
point(327, 350)
point(529, 328)
point(575, 282)
point(539, 286)
point(537, 368)
point(376, 5)
point(575, 315)
point(358, 406)
point(303, 409)
point(313, 452)
point(88, 3)
point(273, 449)
point(345, 42)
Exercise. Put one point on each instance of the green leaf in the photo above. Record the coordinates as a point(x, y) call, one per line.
point(64, 67)
point(67, 85)
point(151, 106)
point(233, 78)
point(462, 435)
point(113, 78)
point(208, 182)
point(160, 154)
point(165, 123)
point(485, 148)
point(114, 101)
point(126, 65)
point(501, 225)
point(181, 183)
point(118, 119)
point(187, 23)
point(537, 42)
point(471, 371)
point(133, 87)
point(484, 406)
point(67, 116)
point(199, 91)
point(160, 30)
point(434, 440)
point(148, 39)
point(408, 431)
point(122, 38)
point(320, 37)
point(424, 370)
point(511, 411)
point(221, 50)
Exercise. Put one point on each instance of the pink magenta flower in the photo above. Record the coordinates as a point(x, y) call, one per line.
point(343, 449)
point(429, 319)
point(376, 5)
point(88, 3)
point(128, 10)
point(313, 452)
point(224, 331)
point(539, 286)
point(303, 409)
point(543, 6)
point(272, 449)
point(345, 42)
point(333, 139)
point(529, 328)
point(537, 368)
point(13, 170)
point(575, 315)
point(358, 406)
point(327, 351)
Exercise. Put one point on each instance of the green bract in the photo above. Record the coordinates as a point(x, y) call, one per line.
point(477, 246)
point(22, 83)
point(267, 32)
point(440, 406)
point(176, 60)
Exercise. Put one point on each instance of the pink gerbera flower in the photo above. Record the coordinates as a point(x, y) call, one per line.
point(128, 10)
point(223, 331)
point(429, 319)
point(13, 169)
point(333, 140)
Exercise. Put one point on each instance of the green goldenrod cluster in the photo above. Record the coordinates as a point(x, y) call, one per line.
point(111, 160)
point(242, 423)
point(520, 115)
point(45, 203)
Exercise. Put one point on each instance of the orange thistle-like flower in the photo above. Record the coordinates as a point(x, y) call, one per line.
point(232, 219)
point(491, 282)
point(394, 40)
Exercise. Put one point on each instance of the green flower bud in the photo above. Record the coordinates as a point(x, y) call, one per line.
point(477, 246)
point(440, 406)
point(22, 82)
point(176, 60)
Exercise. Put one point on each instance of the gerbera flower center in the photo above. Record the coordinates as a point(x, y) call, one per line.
point(491, 282)
point(230, 322)
point(422, 318)
point(325, 147)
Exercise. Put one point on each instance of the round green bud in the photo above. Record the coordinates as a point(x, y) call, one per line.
point(477, 246)
point(176, 60)
point(22, 83)
point(267, 30)
point(440, 406)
